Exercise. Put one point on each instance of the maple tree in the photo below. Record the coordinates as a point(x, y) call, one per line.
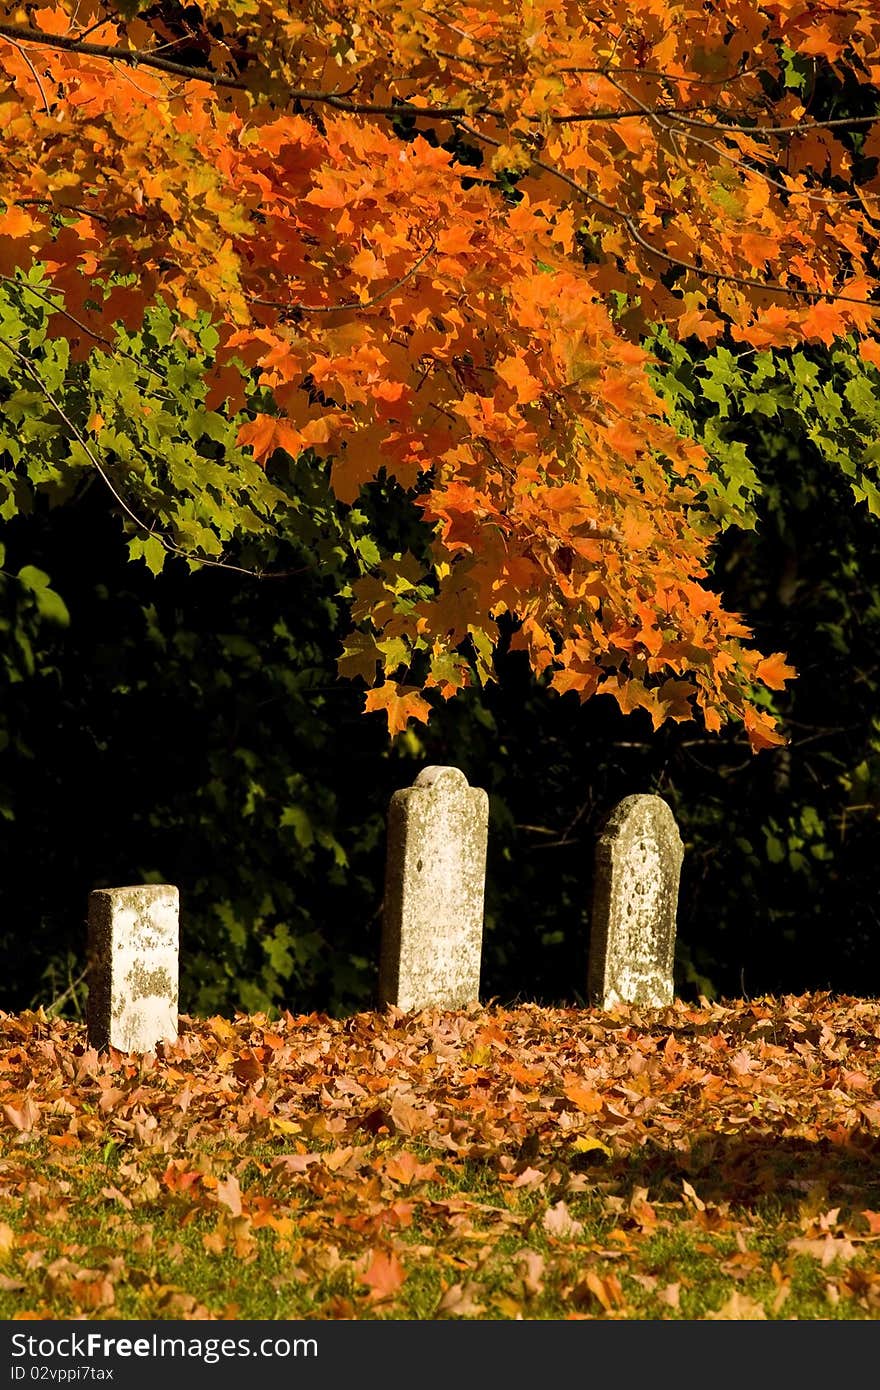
point(427, 246)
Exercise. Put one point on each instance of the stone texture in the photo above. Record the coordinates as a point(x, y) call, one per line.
point(133, 967)
point(432, 931)
point(635, 898)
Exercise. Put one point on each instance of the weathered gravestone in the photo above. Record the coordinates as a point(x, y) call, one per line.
point(133, 967)
point(635, 896)
point(432, 930)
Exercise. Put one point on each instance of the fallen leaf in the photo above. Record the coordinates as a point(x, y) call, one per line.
point(587, 1100)
point(248, 1068)
point(406, 1118)
point(229, 1194)
point(691, 1195)
point(7, 1240)
point(670, 1295)
point(739, 1307)
point(826, 1250)
point(588, 1143)
point(94, 1293)
point(405, 1168)
point(529, 1177)
point(531, 1267)
point(22, 1118)
point(459, 1302)
point(559, 1222)
point(384, 1275)
point(606, 1290)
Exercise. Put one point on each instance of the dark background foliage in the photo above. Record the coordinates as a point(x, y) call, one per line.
point(190, 728)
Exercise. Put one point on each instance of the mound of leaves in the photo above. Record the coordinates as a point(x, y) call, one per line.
point(718, 1161)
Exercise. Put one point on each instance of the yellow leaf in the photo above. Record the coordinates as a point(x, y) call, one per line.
point(283, 1126)
point(588, 1143)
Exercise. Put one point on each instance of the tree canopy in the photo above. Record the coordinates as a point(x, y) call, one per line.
point(425, 246)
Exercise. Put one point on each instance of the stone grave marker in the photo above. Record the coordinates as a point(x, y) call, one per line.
point(635, 898)
point(432, 929)
point(132, 967)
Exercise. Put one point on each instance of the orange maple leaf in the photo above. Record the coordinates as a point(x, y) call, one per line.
point(400, 703)
point(15, 223)
point(762, 730)
point(759, 248)
point(266, 433)
point(584, 1097)
point(774, 672)
point(514, 371)
point(869, 351)
point(384, 1275)
point(824, 321)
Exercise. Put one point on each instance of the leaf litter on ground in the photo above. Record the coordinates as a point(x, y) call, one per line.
point(708, 1161)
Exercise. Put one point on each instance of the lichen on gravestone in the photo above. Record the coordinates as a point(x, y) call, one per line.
point(635, 899)
point(133, 967)
point(432, 929)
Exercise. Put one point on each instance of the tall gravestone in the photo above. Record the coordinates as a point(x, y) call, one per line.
point(133, 967)
point(432, 929)
point(635, 898)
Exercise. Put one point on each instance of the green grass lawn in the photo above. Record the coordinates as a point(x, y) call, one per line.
point(718, 1161)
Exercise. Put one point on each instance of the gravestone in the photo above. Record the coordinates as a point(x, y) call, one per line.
point(132, 967)
point(635, 897)
point(432, 928)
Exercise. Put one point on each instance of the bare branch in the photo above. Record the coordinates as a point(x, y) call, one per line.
point(354, 304)
point(132, 56)
point(337, 101)
point(795, 128)
point(73, 207)
point(654, 73)
point(704, 272)
point(659, 119)
point(33, 72)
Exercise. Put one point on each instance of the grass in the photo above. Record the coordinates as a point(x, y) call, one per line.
point(177, 1187)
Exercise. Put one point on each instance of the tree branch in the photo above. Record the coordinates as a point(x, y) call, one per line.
point(133, 57)
point(166, 544)
point(34, 72)
point(751, 282)
point(17, 34)
point(295, 308)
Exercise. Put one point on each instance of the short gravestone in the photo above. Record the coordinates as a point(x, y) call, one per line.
point(432, 929)
point(635, 897)
point(132, 967)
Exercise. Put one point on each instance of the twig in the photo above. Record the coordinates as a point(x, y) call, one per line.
point(659, 119)
point(166, 544)
point(17, 34)
point(98, 337)
point(73, 207)
point(132, 56)
point(33, 72)
point(771, 286)
point(354, 304)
